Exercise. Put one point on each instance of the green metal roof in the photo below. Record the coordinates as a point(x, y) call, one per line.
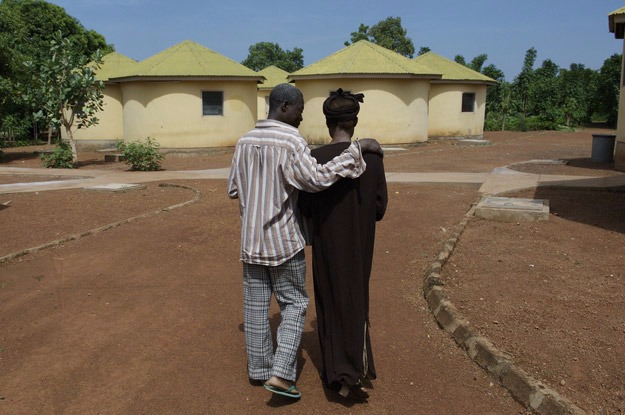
point(450, 70)
point(273, 76)
point(114, 64)
point(189, 60)
point(363, 58)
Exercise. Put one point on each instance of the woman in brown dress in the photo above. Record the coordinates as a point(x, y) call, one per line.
point(343, 221)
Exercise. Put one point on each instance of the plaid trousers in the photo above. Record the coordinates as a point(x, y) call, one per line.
point(287, 282)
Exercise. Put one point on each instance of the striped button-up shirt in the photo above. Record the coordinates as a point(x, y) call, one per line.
point(269, 165)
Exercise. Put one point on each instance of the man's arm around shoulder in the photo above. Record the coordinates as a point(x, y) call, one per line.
point(371, 145)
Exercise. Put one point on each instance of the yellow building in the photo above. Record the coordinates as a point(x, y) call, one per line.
point(273, 76)
point(406, 101)
point(110, 126)
point(186, 96)
point(457, 101)
point(616, 21)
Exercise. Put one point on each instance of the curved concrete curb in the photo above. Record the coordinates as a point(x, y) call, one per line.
point(77, 236)
point(524, 388)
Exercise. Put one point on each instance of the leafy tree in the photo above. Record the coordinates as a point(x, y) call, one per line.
point(543, 94)
point(605, 99)
point(493, 72)
point(11, 31)
point(423, 50)
point(495, 93)
point(387, 33)
point(41, 20)
point(576, 86)
point(26, 29)
point(361, 34)
point(64, 88)
point(523, 81)
point(503, 103)
point(477, 62)
point(264, 54)
point(551, 97)
point(390, 34)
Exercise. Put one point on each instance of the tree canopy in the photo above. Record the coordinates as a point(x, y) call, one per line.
point(388, 33)
point(26, 29)
point(423, 50)
point(264, 54)
point(551, 97)
point(64, 90)
point(605, 99)
point(37, 22)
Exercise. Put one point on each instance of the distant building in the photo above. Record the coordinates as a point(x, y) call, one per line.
point(188, 97)
point(110, 127)
point(273, 76)
point(616, 21)
point(457, 101)
point(406, 101)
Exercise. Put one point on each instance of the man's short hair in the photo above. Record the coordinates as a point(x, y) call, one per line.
point(281, 93)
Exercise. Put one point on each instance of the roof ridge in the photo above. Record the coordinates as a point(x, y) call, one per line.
point(189, 59)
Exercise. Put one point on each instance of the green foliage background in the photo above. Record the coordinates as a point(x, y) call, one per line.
point(27, 28)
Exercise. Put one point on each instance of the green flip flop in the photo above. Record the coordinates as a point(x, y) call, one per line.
point(291, 391)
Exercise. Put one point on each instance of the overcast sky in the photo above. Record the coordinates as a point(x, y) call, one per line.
point(565, 31)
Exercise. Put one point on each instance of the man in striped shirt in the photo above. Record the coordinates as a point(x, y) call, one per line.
point(270, 165)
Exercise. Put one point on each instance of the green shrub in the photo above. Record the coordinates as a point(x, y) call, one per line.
point(141, 156)
point(538, 123)
point(493, 121)
point(21, 143)
point(14, 128)
point(60, 158)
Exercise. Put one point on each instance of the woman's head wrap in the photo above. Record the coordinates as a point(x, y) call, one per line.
point(342, 106)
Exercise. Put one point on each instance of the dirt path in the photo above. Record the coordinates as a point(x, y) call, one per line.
point(146, 317)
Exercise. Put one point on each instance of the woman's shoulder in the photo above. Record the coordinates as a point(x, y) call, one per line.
point(327, 152)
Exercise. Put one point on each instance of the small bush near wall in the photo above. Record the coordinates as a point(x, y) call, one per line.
point(60, 158)
point(141, 156)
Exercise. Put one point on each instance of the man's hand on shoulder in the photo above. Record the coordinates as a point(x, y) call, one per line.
point(370, 145)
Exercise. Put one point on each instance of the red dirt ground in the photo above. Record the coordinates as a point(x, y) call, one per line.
point(146, 317)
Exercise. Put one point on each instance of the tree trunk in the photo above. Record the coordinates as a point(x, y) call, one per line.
point(49, 134)
point(72, 144)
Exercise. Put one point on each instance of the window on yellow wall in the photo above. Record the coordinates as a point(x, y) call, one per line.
point(212, 103)
point(468, 102)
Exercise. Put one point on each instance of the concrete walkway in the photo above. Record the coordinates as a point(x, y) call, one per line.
point(499, 180)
